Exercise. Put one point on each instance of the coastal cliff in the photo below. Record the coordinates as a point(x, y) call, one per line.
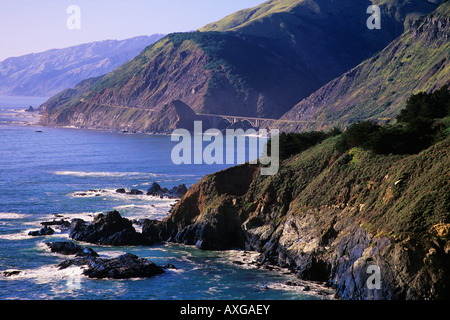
point(329, 216)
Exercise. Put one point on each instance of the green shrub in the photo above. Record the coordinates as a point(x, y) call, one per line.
point(416, 128)
point(295, 143)
point(361, 135)
point(423, 105)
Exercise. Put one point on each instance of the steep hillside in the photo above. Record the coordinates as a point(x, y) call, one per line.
point(378, 88)
point(47, 73)
point(329, 216)
point(259, 67)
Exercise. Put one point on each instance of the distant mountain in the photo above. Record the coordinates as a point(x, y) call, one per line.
point(47, 73)
point(419, 60)
point(258, 62)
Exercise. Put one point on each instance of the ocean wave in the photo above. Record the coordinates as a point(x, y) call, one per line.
point(85, 174)
point(46, 274)
point(12, 215)
point(23, 235)
point(122, 196)
point(86, 216)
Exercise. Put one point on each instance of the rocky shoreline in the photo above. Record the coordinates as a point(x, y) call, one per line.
point(314, 220)
point(325, 231)
point(111, 229)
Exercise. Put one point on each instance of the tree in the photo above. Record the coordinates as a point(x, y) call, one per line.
point(362, 134)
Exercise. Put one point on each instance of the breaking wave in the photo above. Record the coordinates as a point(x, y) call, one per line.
point(83, 174)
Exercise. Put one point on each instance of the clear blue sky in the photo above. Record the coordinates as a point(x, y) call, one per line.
point(28, 26)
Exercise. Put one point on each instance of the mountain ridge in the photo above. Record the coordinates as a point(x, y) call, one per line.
point(49, 72)
point(242, 73)
point(379, 87)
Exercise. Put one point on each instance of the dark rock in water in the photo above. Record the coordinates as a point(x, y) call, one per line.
point(123, 267)
point(176, 192)
point(121, 190)
point(74, 262)
point(11, 273)
point(139, 222)
point(30, 109)
point(109, 229)
point(154, 189)
point(169, 266)
point(62, 222)
point(64, 247)
point(151, 231)
point(87, 252)
point(76, 225)
point(135, 192)
point(69, 248)
point(43, 232)
point(179, 191)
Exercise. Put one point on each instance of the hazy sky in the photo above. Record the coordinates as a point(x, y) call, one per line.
point(28, 26)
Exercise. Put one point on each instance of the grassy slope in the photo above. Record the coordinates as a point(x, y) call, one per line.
point(379, 87)
point(396, 196)
point(245, 17)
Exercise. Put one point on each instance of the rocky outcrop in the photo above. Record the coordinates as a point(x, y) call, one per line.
point(11, 273)
point(176, 192)
point(45, 231)
point(207, 215)
point(70, 248)
point(123, 267)
point(109, 229)
point(360, 226)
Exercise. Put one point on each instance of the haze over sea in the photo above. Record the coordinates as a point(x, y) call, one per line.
point(51, 172)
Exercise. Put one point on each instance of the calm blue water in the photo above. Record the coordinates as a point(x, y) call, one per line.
point(42, 173)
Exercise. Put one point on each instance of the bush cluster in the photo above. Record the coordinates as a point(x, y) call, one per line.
point(417, 127)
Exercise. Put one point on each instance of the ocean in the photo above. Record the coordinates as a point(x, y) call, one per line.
point(73, 173)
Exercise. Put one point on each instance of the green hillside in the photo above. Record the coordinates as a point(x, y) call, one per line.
point(379, 87)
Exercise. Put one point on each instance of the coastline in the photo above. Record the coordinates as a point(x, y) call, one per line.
point(239, 258)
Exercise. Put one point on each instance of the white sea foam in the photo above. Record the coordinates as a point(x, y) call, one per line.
point(86, 216)
point(46, 274)
point(132, 206)
point(110, 254)
point(83, 174)
point(12, 215)
point(23, 235)
point(245, 259)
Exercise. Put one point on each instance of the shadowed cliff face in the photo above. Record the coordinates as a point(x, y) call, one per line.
point(332, 218)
